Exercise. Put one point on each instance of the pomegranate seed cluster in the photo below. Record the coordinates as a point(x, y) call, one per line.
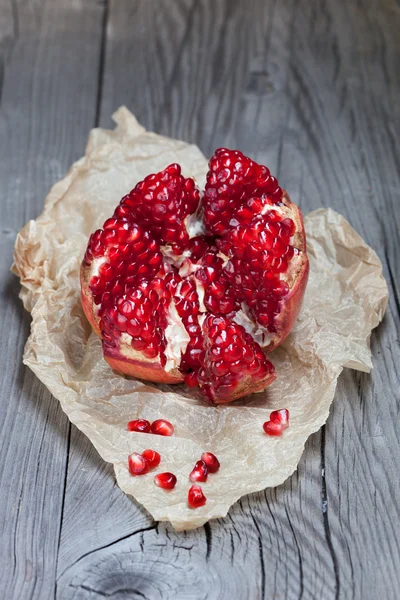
point(130, 253)
point(230, 353)
point(161, 203)
point(220, 297)
point(141, 313)
point(151, 282)
point(231, 181)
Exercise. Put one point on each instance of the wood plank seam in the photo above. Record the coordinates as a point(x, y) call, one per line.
point(102, 60)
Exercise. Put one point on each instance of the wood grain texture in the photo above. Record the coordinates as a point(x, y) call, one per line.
point(311, 88)
point(48, 100)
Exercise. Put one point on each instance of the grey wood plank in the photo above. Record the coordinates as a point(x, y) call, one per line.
point(358, 153)
point(273, 79)
point(288, 81)
point(48, 83)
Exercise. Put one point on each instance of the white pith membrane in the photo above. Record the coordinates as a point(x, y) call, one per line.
point(177, 339)
point(95, 272)
point(260, 334)
point(173, 259)
point(194, 224)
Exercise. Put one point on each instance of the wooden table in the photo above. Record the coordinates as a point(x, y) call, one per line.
point(310, 88)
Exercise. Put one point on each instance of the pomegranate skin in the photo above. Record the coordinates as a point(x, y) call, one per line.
point(143, 370)
point(247, 387)
point(298, 278)
point(88, 305)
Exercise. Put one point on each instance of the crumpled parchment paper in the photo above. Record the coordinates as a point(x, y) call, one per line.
point(345, 299)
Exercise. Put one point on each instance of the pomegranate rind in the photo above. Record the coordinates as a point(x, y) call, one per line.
point(88, 305)
point(143, 368)
point(296, 278)
point(247, 386)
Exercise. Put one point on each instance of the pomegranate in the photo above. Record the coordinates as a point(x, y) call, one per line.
point(184, 288)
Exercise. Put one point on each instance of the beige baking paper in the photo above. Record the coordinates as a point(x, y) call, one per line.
point(345, 299)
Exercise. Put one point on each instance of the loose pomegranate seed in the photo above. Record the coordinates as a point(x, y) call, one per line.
point(199, 472)
point(196, 497)
point(279, 421)
point(140, 425)
point(162, 427)
point(137, 464)
point(272, 428)
point(167, 481)
point(153, 458)
point(280, 416)
point(211, 461)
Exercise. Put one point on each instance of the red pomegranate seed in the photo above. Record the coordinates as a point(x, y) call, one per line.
point(162, 427)
point(280, 416)
point(279, 421)
point(167, 481)
point(211, 461)
point(137, 464)
point(199, 472)
point(191, 379)
point(140, 425)
point(272, 428)
point(196, 497)
point(153, 458)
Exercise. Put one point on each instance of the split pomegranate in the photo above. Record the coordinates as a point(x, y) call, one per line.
point(196, 497)
point(183, 288)
point(139, 425)
point(199, 472)
point(211, 461)
point(153, 458)
point(167, 480)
